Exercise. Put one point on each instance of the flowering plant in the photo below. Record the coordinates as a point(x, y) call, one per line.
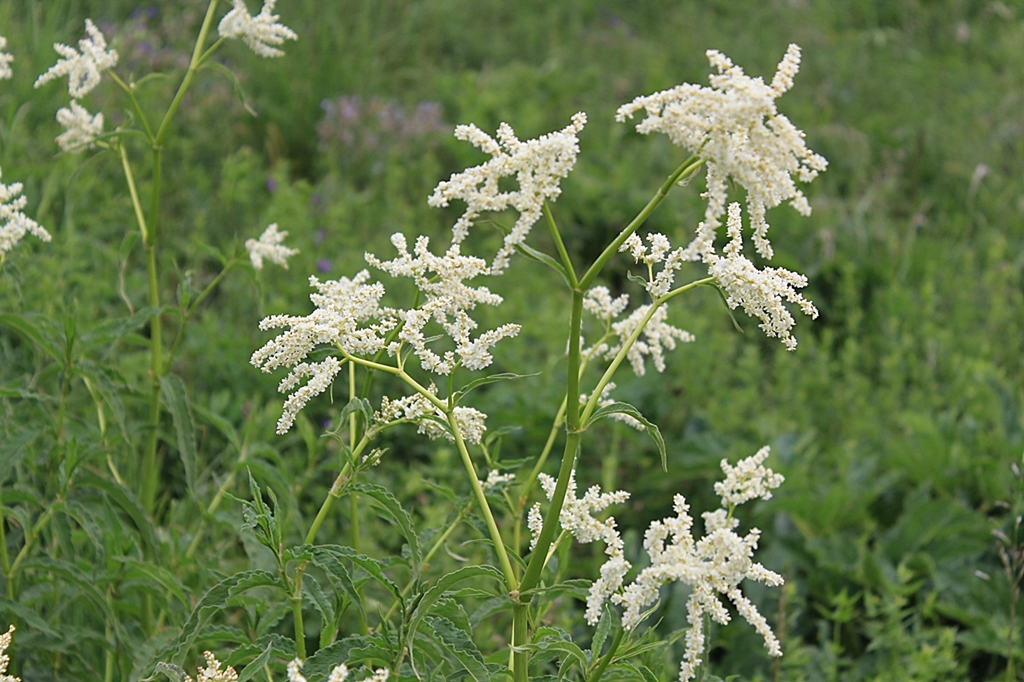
point(432, 345)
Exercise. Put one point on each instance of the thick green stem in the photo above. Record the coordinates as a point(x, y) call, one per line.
point(520, 638)
point(296, 599)
point(679, 174)
point(335, 492)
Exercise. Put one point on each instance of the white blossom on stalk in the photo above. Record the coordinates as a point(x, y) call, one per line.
point(5, 61)
point(761, 293)
point(418, 409)
point(659, 252)
point(714, 564)
point(735, 127)
point(270, 246)
point(748, 480)
point(5, 641)
point(212, 671)
point(655, 338)
point(598, 302)
point(82, 69)
point(260, 33)
point(81, 128)
point(13, 223)
point(575, 517)
point(538, 166)
point(496, 478)
point(448, 298)
point(347, 315)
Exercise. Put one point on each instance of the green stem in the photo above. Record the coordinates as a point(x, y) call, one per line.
point(678, 175)
point(520, 638)
point(556, 235)
point(591, 405)
point(335, 492)
point(30, 539)
point(130, 91)
point(296, 599)
point(485, 507)
point(607, 658)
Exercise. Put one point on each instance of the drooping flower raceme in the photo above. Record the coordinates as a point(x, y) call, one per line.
point(575, 518)
point(735, 127)
point(82, 69)
point(82, 128)
point(13, 223)
point(260, 32)
point(5, 61)
point(716, 563)
point(761, 293)
point(269, 246)
point(538, 166)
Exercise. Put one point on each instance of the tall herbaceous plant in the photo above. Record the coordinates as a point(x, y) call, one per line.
point(413, 621)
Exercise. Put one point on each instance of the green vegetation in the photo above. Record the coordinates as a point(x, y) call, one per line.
point(898, 422)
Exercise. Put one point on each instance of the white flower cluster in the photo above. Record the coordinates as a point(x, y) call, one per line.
point(338, 674)
point(716, 563)
point(538, 166)
point(495, 478)
point(748, 480)
point(83, 70)
point(598, 302)
point(13, 223)
point(5, 641)
point(576, 518)
point(761, 293)
point(441, 279)
point(212, 671)
point(6, 72)
point(343, 309)
point(655, 338)
point(81, 128)
point(260, 33)
point(269, 246)
point(659, 252)
point(735, 128)
point(605, 399)
point(419, 410)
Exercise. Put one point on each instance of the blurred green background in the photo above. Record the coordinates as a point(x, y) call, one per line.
point(896, 420)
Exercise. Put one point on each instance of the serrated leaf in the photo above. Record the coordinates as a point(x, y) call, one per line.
point(13, 449)
point(128, 503)
point(368, 564)
point(257, 664)
point(176, 399)
point(460, 645)
point(322, 603)
point(352, 650)
point(394, 512)
point(171, 671)
point(650, 427)
point(341, 579)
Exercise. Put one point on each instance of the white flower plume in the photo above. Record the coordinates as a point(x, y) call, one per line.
point(575, 517)
point(82, 128)
point(5, 641)
point(655, 338)
point(735, 128)
point(270, 246)
point(13, 223)
point(448, 298)
point(538, 166)
point(82, 69)
point(5, 61)
point(716, 563)
point(260, 33)
point(761, 293)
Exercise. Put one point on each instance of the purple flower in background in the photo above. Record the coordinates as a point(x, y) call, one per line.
point(271, 185)
point(323, 265)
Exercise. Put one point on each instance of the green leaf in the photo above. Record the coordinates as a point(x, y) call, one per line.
point(341, 579)
point(236, 86)
point(33, 330)
point(483, 381)
point(176, 400)
point(173, 672)
point(162, 576)
point(218, 422)
point(353, 650)
point(99, 384)
point(322, 603)
point(541, 257)
point(394, 512)
point(371, 566)
point(128, 502)
point(13, 449)
point(650, 427)
point(460, 645)
point(257, 664)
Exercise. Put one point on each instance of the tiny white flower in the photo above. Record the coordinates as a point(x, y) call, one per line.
point(538, 166)
point(269, 246)
point(212, 671)
point(5, 641)
point(5, 61)
point(294, 668)
point(339, 674)
point(496, 478)
point(83, 70)
point(13, 223)
point(82, 128)
point(748, 480)
point(260, 33)
point(655, 338)
point(598, 302)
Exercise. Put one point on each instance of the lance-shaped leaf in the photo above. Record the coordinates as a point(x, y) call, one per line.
point(650, 427)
